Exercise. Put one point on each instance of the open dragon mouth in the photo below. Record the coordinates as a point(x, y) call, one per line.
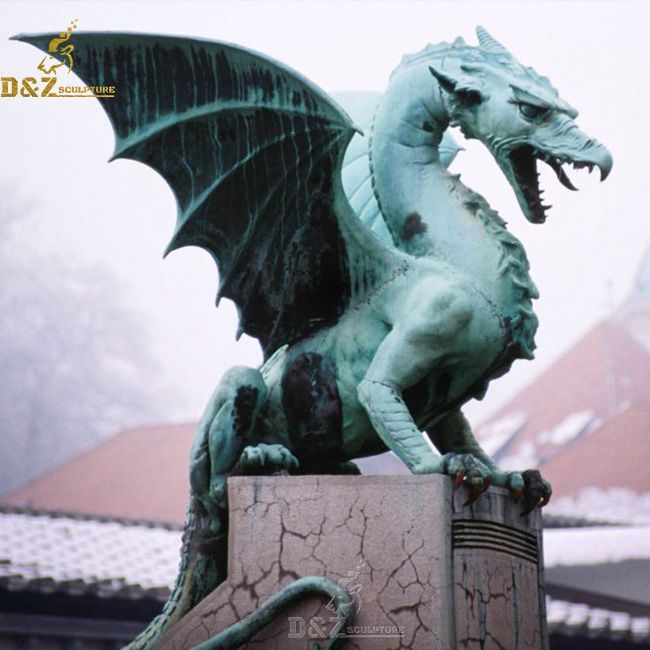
point(523, 161)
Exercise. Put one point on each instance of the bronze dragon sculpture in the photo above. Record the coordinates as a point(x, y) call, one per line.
point(377, 322)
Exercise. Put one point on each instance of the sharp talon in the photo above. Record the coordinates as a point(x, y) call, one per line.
point(545, 500)
point(475, 492)
point(529, 508)
point(459, 478)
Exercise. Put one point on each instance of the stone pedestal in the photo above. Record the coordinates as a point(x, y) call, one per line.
point(425, 570)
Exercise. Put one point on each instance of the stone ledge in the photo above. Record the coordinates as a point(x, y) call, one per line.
point(426, 570)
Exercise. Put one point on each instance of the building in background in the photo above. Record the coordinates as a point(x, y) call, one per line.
point(92, 583)
point(89, 551)
point(140, 474)
point(585, 422)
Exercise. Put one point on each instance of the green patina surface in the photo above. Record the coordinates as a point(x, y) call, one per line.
point(384, 292)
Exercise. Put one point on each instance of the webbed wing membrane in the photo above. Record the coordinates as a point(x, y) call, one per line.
point(252, 152)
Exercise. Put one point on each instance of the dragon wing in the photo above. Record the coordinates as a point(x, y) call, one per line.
point(253, 154)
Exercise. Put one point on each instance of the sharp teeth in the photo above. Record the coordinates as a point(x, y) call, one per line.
point(564, 179)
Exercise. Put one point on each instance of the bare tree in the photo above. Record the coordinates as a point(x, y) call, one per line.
point(74, 363)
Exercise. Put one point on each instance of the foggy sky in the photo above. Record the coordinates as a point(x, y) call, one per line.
point(122, 214)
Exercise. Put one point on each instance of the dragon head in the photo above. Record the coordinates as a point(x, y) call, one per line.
point(519, 117)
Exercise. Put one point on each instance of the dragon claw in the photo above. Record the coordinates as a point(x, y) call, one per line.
point(475, 492)
point(467, 470)
point(537, 491)
point(266, 459)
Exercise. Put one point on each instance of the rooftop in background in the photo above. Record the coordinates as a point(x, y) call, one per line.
point(579, 619)
point(140, 474)
point(605, 374)
point(592, 403)
point(586, 420)
point(79, 556)
point(43, 553)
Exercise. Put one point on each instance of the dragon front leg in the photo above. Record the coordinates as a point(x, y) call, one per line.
point(453, 434)
point(420, 340)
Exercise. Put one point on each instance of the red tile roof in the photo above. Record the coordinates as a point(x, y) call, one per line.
point(616, 454)
point(605, 375)
point(139, 474)
point(604, 369)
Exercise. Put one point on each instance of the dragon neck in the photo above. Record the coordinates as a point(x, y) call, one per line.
point(422, 203)
point(430, 212)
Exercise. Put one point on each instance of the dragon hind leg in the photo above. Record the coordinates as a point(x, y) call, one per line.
point(225, 429)
point(263, 458)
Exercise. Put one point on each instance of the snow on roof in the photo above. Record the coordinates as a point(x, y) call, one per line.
point(613, 505)
point(47, 552)
point(596, 545)
point(616, 454)
point(524, 456)
point(578, 619)
point(534, 451)
point(496, 434)
point(568, 428)
point(85, 554)
point(594, 393)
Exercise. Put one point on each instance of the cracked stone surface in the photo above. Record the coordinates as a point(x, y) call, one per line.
point(388, 539)
point(498, 598)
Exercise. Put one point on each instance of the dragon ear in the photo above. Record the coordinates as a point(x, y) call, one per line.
point(489, 43)
point(464, 90)
point(446, 82)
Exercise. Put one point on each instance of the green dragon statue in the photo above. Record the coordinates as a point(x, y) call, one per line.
point(385, 294)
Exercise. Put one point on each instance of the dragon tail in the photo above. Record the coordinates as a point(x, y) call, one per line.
point(202, 567)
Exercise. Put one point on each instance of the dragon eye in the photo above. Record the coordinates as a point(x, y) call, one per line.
point(469, 97)
point(530, 110)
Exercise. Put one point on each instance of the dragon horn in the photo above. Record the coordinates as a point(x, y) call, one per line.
point(489, 43)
